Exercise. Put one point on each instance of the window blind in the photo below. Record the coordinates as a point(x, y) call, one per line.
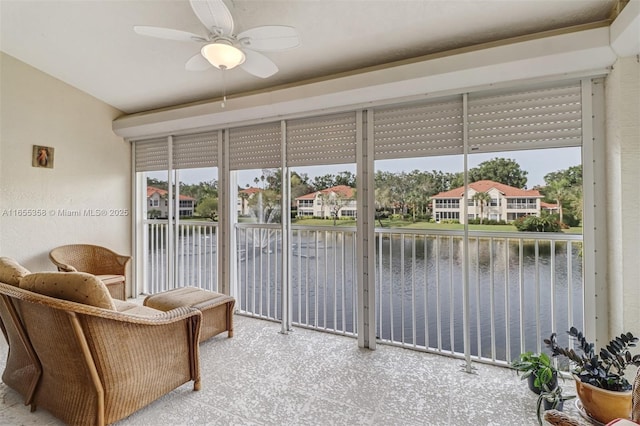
point(195, 151)
point(255, 147)
point(329, 139)
point(152, 154)
point(549, 117)
point(418, 130)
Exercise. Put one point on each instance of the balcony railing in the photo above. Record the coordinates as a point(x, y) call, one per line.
point(516, 206)
point(323, 281)
point(521, 286)
point(195, 254)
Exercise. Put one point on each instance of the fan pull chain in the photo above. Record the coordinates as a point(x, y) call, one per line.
point(224, 88)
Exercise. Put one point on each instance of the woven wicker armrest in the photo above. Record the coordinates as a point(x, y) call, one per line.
point(122, 259)
point(63, 267)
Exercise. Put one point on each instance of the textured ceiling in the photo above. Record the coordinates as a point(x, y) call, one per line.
point(91, 45)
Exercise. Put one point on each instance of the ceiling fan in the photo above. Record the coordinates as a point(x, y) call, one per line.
point(222, 48)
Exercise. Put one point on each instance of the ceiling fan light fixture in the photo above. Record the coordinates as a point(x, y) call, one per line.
point(222, 55)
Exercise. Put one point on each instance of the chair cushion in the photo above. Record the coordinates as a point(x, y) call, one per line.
point(131, 308)
point(111, 279)
point(11, 272)
point(77, 287)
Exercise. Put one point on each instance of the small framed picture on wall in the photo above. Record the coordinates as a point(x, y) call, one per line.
point(42, 156)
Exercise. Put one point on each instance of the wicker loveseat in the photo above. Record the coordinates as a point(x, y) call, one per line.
point(92, 363)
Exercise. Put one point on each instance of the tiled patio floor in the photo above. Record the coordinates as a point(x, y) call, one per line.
point(262, 377)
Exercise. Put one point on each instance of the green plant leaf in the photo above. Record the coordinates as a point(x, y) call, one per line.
point(603, 369)
point(544, 358)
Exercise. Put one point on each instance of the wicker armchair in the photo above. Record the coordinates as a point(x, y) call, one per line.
point(107, 265)
point(96, 366)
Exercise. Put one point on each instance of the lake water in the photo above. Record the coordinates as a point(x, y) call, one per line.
point(513, 287)
point(519, 290)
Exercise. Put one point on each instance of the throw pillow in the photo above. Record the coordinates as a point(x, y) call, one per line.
point(11, 272)
point(73, 286)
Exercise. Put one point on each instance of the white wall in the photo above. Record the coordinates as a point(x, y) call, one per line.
point(623, 203)
point(91, 167)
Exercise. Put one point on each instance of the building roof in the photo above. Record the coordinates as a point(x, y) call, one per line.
point(344, 190)
point(487, 185)
point(548, 206)
point(250, 191)
point(163, 193)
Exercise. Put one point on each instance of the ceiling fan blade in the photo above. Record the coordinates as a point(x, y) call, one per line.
point(257, 64)
point(215, 15)
point(197, 63)
point(167, 33)
point(270, 38)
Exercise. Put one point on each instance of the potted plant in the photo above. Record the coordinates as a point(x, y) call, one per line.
point(537, 369)
point(603, 390)
point(551, 400)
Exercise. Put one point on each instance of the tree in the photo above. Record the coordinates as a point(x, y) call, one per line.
point(157, 183)
point(573, 176)
point(502, 170)
point(409, 191)
point(399, 191)
point(323, 182)
point(208, 208)
point(577, 204)
point(382, 193)
point(445, 181)
point(454, 180)
point(299, 183)
point(299, 186)
point(200, 190)
point(335, 201)
point(564, 187)
point(481, 198)
point(420, 186)
point(273, 179)
point(559, 190)
point(345, 178)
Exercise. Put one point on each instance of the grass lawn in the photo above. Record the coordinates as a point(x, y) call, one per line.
point(324, 222)
point(398, 223)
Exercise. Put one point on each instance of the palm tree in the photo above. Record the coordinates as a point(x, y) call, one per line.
point(481, 198)
point(559, 190)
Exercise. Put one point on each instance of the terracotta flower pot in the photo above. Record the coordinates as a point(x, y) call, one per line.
point(603, 405)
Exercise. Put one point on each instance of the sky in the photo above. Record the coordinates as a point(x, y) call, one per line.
point(536, 162)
